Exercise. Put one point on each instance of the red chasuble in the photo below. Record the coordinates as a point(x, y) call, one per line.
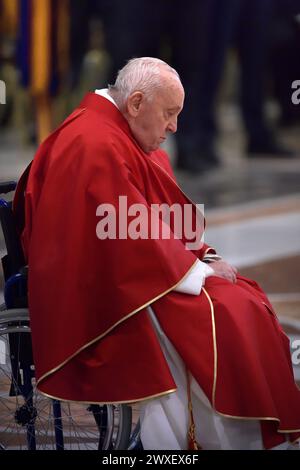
point(92, 338)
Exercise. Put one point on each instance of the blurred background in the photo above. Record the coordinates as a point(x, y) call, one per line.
point(237, 149)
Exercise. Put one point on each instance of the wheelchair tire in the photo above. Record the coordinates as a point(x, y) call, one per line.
point(29, 422)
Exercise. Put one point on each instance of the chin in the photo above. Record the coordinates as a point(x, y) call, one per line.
point(154, 147)
point(149, 148)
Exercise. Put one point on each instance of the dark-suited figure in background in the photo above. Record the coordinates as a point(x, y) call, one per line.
point(200, 33)
point(171, 30)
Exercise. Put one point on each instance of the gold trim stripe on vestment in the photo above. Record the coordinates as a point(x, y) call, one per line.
point(124, 402)
point(115, 325)
point(257, 418)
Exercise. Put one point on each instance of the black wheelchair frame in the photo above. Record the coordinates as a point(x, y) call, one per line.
point(28, 419)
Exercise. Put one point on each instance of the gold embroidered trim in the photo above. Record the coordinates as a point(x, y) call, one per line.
point(214, 344)
point(257, 418)
point(192, 442)
point(136, 400)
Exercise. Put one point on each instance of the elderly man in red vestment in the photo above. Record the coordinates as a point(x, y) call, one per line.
point(176, 329)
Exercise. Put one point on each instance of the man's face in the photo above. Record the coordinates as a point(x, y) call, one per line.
point(157, 116)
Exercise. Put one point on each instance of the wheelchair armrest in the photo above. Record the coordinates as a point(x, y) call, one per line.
point(7, 187)
point(15, 287)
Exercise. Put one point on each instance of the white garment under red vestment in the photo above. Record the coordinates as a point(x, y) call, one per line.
point(165, 420)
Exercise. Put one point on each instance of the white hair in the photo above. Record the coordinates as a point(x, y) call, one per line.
point(141, 74)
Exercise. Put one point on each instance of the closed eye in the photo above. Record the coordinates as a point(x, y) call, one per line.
point(169, 113)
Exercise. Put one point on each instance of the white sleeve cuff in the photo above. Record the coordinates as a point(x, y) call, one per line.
point(193, 282)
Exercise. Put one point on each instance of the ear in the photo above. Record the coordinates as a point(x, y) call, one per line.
point(134, 102)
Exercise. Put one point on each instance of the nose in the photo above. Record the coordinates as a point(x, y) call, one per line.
point(172, 126)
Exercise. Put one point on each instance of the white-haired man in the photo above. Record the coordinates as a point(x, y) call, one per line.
point(175, 329)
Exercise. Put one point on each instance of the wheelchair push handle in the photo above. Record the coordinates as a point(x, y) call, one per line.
point(7, 186)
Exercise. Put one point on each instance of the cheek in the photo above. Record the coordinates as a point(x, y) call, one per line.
point(153, 127)
point(159, 126)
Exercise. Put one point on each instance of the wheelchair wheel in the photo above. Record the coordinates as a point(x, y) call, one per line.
point(30, 420)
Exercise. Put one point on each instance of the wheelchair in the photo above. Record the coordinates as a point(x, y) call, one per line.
point(29, 419)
